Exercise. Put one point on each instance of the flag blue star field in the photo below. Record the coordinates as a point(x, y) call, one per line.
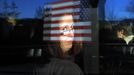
point(53, 14)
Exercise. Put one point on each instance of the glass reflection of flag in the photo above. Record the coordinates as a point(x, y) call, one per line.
point(82, 29)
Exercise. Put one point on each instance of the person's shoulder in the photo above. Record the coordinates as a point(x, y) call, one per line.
point(63, 62)
point(67, 67)
point(133, 39)
point(132, 42)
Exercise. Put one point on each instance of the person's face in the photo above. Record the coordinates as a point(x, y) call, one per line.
point(67, 32)
point(120, 34)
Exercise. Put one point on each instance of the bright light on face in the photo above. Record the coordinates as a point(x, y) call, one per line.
point(67, 32)
point(66, 28)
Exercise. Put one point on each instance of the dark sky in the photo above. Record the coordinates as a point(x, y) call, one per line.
point(27, 7)
point(116, 7)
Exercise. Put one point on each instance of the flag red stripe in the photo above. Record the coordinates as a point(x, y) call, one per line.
point(75, 35)
point(75, 27)
point(56, 15)
point(66, 7)
point(54, 22)
point(89, 42)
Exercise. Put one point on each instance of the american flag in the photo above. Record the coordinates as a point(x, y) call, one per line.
point(53, 12)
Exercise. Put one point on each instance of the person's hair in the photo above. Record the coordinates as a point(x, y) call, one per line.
point(53, 49)
point(125, 27)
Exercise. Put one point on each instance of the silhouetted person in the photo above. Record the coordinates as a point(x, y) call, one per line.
point(124, 32)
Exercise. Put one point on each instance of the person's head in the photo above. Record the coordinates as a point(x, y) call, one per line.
point(123, 30)
point(66, 45)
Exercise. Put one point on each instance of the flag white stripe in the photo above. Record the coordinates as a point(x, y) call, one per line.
point(75, 38)
point(75, 24)
point(62, 4)
point(65, 4)
point(70, 10)
point(59, 18)
point(84, 31)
